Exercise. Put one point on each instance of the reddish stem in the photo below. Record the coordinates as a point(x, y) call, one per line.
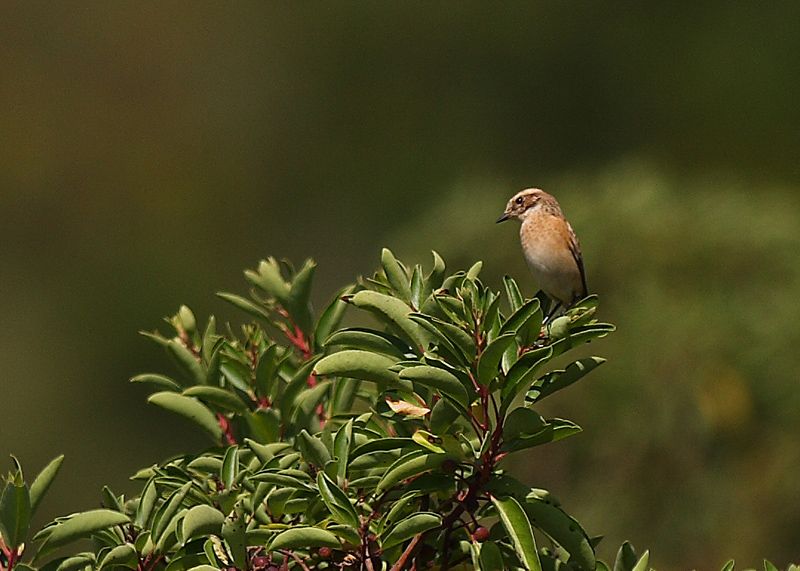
point(297, 338)
point(406, 554)
point(227, 431)
point(6, 551)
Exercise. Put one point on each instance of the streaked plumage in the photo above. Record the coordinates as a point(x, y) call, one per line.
point(549, 244)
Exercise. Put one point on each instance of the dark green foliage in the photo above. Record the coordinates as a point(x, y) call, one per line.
point(345, 448)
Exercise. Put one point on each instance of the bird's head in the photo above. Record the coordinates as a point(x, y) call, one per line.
point(527, 201)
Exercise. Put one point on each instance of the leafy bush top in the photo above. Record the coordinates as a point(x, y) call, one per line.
point(345, 448)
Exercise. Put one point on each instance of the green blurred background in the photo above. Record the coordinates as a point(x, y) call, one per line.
point(152, 151)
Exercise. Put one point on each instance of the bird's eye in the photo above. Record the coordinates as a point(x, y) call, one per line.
point(518, 200)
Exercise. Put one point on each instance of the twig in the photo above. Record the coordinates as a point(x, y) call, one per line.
point(406, 554)
point(297, 559)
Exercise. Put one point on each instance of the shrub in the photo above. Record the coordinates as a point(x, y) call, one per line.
point(344, 447)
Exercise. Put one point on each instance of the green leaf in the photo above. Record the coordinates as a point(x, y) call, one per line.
point(404, 504)
point(15, 512)
point(245, 305)
point(214, 362)
point(409, 527)
point(556, 429)
point(428, 441)
point(522, 422)
point(557, 380)
point(187, 362)
point(450, 333)
point(200, 521)
point(207, 464)
point(268, 278)
point(313, 449)
point(237, 374)
point(368, 340)
point(452, 307)
point(296, 385)
point(515, 299)
point(393, 312)
point(266, 452)
point(146, 504)
point(303, 537)
point(373, 460)
point(561, 528)
point(210, 338)
point(412, 464)
point(82, 525)
point(579, 335)
point(332, 316)
point(308, 400)
point(80, 561)
point(336, 501)
point(476, 268)
point(731, 564)
point(436, 277)
point(234, 529)
point(380, 445)
point(110, 500)
point(396, 275)
point(626, 558)
point(299, 294)
point(264, 424)
point(344, 396)
point(490, 324)
point(266, 371)
point(168, 510)
point(443, 415)
point(438, 379)
point(521, 318)
point(281, 478)
point(359, 365)
point(644, 563)
point(230, 467)
point(345, 533)
point(216, 396)
point(418, 293)
point(158, 381)
point(491, 558)
point(121, 556)
point(523, 372)
point(519, 529)
point(489, 361)
point(169, 538)
point(43, 481)
point(446, 348)
point(341, 449)
point(190, 408)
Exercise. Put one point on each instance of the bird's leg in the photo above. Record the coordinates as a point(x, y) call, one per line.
point(552, 312)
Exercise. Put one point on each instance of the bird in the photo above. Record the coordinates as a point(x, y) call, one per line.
point(549, 245)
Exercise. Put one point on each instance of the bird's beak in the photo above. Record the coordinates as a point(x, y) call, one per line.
point(503, 218)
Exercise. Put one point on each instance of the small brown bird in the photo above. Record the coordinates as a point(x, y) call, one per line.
point(549, 245)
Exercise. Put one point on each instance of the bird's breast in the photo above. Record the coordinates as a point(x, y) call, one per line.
point(545, 246)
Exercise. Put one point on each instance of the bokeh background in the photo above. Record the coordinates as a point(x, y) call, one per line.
point(153, 150)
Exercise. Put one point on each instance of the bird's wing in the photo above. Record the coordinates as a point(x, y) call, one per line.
point(575, 250)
